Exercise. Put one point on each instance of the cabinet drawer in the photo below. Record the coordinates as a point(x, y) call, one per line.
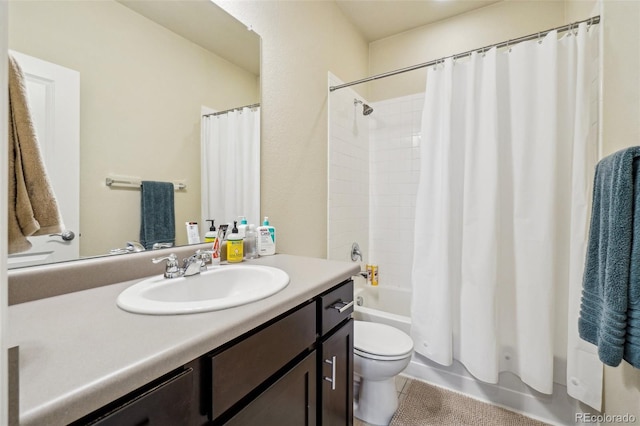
point(241, 368)
point(167, 404)
point(332, 303)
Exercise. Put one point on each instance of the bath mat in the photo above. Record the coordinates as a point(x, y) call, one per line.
point(425, 405)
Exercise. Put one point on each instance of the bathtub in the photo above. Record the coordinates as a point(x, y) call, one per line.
point(385, 305)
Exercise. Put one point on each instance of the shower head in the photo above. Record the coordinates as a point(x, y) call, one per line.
point(366, 109)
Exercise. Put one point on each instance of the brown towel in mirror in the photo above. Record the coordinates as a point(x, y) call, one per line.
point(33, 209)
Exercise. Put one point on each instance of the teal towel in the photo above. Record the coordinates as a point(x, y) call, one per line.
point(632, 338)
point(610, 308)
point(157, 221)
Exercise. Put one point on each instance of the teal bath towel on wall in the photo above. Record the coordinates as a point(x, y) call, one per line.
point(157, 221)
point(610, 308)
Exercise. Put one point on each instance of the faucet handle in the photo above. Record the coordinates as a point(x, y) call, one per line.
point(204, 256)
point(172, 270)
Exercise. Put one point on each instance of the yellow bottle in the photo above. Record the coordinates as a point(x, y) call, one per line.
point(235, 245)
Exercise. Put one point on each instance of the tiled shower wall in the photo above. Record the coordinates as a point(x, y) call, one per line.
point(394, 159)
point(348, 198)
point(373, 177)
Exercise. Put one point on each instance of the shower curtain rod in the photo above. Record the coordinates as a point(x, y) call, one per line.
point(232, 109)
point(590, 21)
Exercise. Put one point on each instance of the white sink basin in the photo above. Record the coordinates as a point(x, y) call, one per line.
point(221, 287)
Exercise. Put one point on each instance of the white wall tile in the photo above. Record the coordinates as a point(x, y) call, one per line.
point(374, 166)
point(395, 163)
point(348, 186)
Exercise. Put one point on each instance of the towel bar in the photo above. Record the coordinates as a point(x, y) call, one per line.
point(136, 183)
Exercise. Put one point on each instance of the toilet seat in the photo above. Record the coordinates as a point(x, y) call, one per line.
point(380, 341)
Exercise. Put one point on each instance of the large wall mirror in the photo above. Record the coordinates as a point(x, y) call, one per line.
point(147, 71)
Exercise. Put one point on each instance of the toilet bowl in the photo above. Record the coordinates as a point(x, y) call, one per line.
point(381, 352)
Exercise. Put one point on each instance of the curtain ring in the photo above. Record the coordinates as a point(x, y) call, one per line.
point(539, 39)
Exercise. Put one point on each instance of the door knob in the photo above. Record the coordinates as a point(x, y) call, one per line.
point(66, 235)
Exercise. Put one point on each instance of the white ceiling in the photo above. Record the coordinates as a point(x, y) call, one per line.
point(207, 25)
point(202, 22)
point(378, 19)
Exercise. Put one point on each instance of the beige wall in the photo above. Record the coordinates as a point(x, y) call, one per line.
point(142, 87)
point(481, 27)
point(620, 129)
point(301, 42)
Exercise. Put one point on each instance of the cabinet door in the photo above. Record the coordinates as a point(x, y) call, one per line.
point(291, 401)
point(337, 377)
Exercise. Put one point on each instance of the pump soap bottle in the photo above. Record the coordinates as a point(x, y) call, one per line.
point(266, 238)
point(211, 235)
point(234, 245)
point(242, 228)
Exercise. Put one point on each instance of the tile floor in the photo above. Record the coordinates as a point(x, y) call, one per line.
point(401, 385)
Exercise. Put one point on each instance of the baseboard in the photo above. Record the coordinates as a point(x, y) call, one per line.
point(509, 393)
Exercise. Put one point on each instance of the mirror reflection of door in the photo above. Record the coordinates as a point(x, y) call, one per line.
point(54, 99)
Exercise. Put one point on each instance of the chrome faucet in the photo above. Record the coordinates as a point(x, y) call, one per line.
point(195, 263)
point(132, 247)
point(192, 265)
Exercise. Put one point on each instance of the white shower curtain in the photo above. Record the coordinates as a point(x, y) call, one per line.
point(509, 144)
point(231, 166)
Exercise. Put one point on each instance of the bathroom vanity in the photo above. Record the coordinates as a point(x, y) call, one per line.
point(283, 360)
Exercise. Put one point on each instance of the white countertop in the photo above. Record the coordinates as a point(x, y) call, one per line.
point(79, 351)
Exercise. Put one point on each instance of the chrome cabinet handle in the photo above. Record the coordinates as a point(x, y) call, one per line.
point(341, 306)
point(66, 235)
point(332, 379)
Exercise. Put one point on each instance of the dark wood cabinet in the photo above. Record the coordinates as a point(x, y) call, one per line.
point(167, 403)
point(238, 370)
point(337, 377)
point(290, 401)
point(335, 365)
point(296, 369)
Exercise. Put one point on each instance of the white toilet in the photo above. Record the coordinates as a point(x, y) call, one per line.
point(381, 352)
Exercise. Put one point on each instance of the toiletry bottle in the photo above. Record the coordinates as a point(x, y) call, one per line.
point(251, 243)
point(266, 238)
point(242, 228)
point(211, 235)
point(234, 245)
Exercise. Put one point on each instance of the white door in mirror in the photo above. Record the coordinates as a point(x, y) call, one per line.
point(218, 288)
point(54, 100)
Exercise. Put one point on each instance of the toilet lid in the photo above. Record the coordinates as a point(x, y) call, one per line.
point(380, 339)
